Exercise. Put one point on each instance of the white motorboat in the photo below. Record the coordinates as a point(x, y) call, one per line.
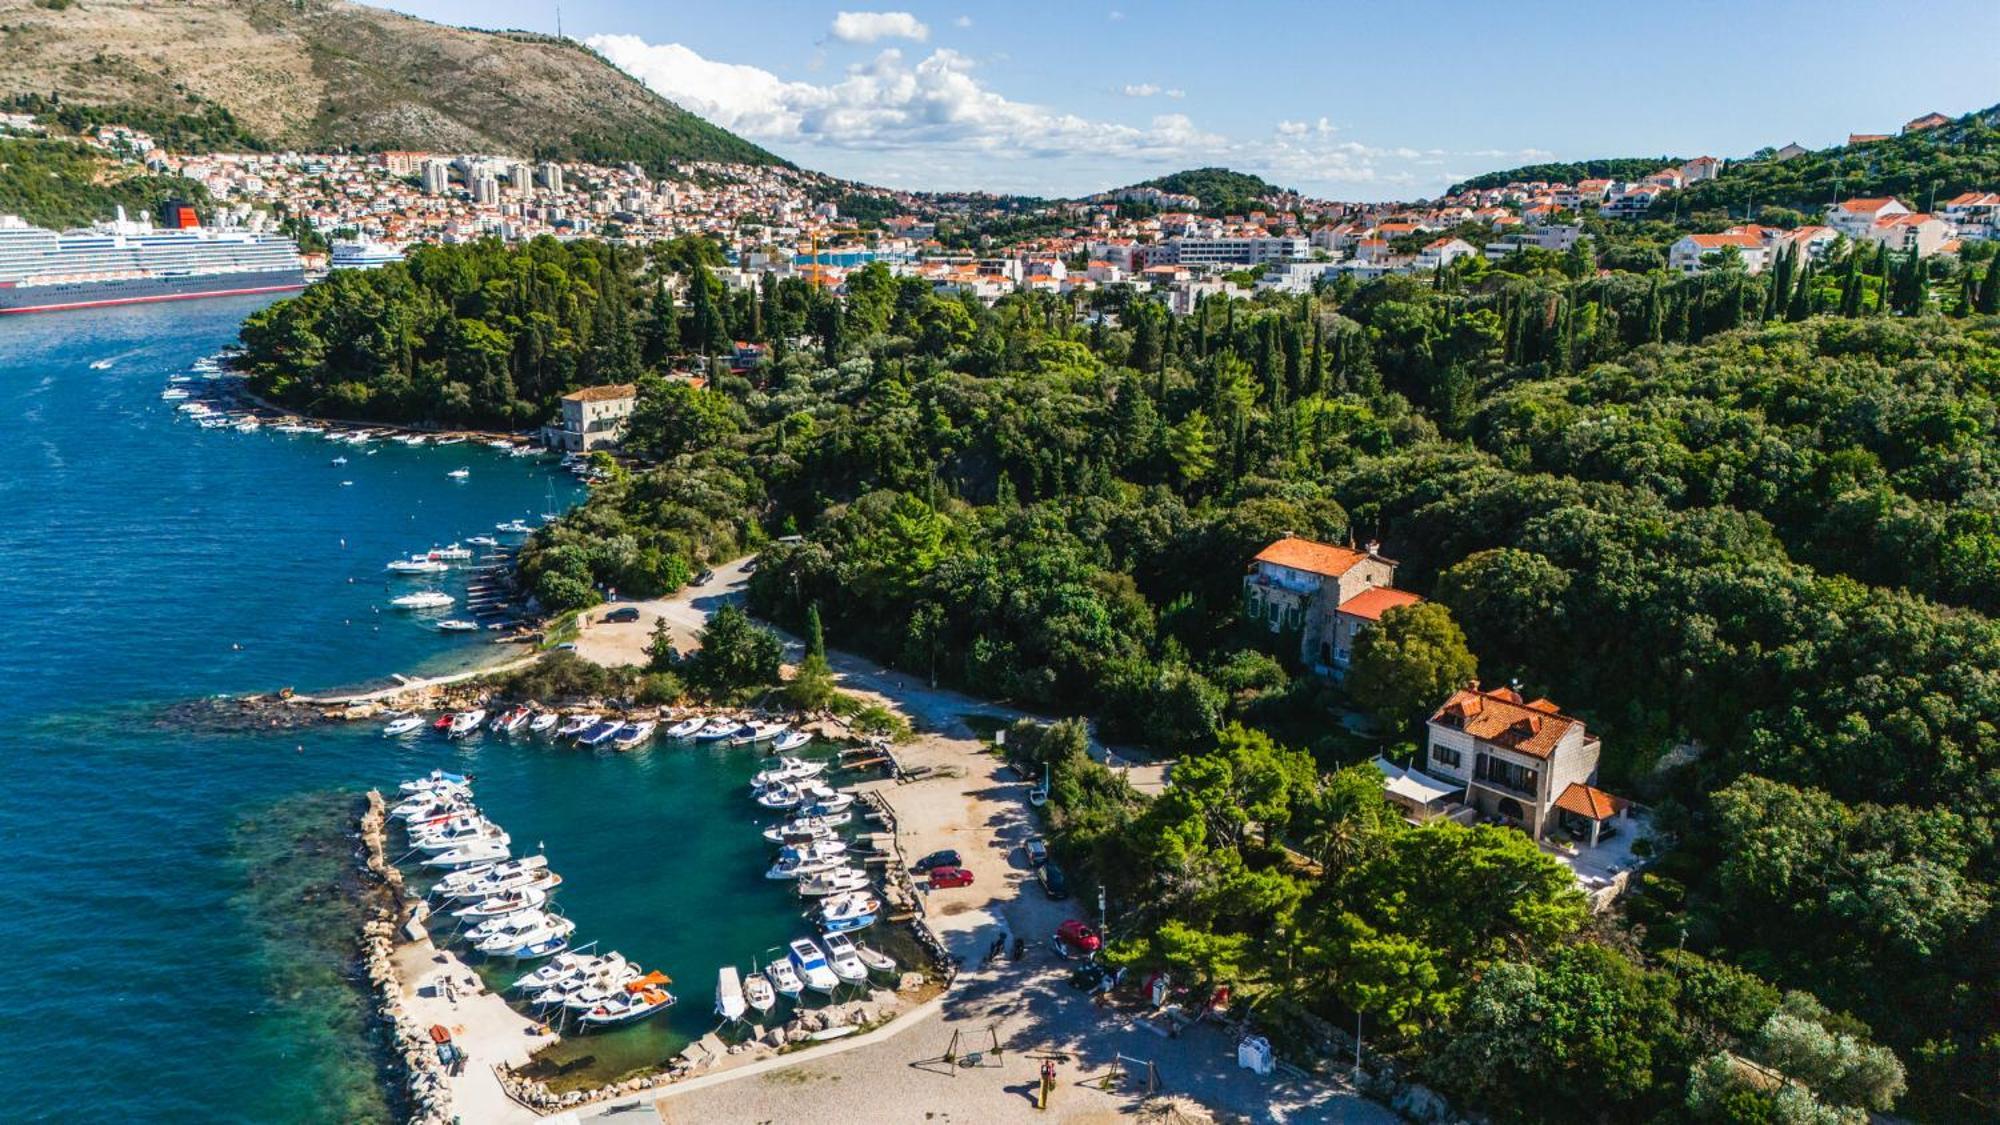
point(785, 979)
point(482, 851)
point(459, 474)
point(849, 906)
point(876, 960)
point(562, 967)
point(686, 727)
point(757, 732)
point(450, 439)
point(423, 599)
point(527, 864)
point(824, 799)
point(452, 553)
point(496, 885)
point(483, 541)
point(780, 796)
point(729, 1001)
point(633, 735)
point(843, 960)
point(601, 733)
point(834, 881)
point(453, 838)
point(458, 625)
point(511, 720)
point(812, 966)
point(799, 869)
point(806, 827)
point(716, 730)
point(591, 992)
point(465, 722)
point(790, 741)
point(416, 564)
point(513, 527)
point(641, 998)
point(824, 848)
point(427, 806)
point(431, 782)
point(786, 769)
point(407, 724)
point(543, 722)
point(577, 724)
point(539, 938)
point(514, 921)
point(507, 902)
point(758, 993)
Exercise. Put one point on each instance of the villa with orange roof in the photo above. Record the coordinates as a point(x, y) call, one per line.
point(1326, 594)
point(1521, 762)
point(1856, 217)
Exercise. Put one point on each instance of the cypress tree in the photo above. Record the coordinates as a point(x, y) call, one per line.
point(1988, 302)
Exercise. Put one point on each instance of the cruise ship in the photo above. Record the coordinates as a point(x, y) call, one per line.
point(363, 254)
point(124, 262)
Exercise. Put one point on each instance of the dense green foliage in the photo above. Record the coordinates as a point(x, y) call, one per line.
point(58, 184)
point(1220, 190)
point(1570, 171)
point(194, 126)
point(1919, 167)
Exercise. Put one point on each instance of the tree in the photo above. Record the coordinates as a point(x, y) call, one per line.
point(661, 655)
point(811, 687)
point(1408, 663)
point(815, 635)
point(737, 656)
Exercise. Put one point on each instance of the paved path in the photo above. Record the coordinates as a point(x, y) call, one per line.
point(481, 1023)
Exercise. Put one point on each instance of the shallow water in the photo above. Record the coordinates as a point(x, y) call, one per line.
point(165, 927)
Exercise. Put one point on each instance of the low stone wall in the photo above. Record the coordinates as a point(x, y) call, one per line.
point(412, 1057)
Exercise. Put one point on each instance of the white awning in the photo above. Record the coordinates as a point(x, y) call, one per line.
point(1415, 786)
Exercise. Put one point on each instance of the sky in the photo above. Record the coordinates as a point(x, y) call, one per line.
point(1335, 98)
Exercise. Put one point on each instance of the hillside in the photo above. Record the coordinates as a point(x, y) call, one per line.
point(1221, 190)
point(1947, 160)
point(330, 74)
point(60, 185)
point(1570, 171)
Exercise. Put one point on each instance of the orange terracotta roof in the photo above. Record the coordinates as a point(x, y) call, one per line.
point(1501, 718)
point(1372, 603)
point(1585, 801)
point(1859, 206)
point(1310, 556)
point(601, 394)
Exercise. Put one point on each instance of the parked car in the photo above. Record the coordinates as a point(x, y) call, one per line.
point(1090, 978)
point(942, 877)
point(1075, 939)
point(623, 613)
point(702, 578)
point(1054, 883)
point(945, 858)
point(1038, 851)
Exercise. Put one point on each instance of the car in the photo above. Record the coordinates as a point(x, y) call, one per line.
point(1054, 883)
point(945, 858)
point(1089, 978)
point(1075, 939)
point(566, 646)
point(702, 578)
point(950, 877)
point(1037, 850)
point(623, 613)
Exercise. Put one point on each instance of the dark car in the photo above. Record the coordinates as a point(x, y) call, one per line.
point(623, 613)
point(1054, 883)
point(945, 858)
point(702, 578)
point(950, 877)
point(1037, 850)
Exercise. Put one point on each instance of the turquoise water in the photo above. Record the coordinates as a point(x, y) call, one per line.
point(160, 915)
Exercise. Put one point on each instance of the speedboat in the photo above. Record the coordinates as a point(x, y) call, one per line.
point(576, 724)
point(459, 474)
point(513, 527)
point(482, 851)
point(757, 732)
point(434, 780)
point(841, 957)
point(790, 741)
point(800, 868)
point(729, 1001)
point(543, 722)
point(780, 796)
point(466, 722)
point(408, 724)
point(641, 998)
point(601, 733)
point(511, 720)
point(823, 799)
point(483, 541)
point(424, 806)
point(453, 553)
point(786, 769)
point(717, 730)
point(514, 921)
point(507, 902)
point(459, 836)
point(814, 850)
point(632, 735)
point(812, 966)
point(686, 727)
point(854, 904)
point(570, 966)
point(416, 564)
point(458, 625)
point(759, 994)
point(785, 979)
point(805, 827)
point(532, 937)
point(876, 960)
point(834, 881)
point(423, 599)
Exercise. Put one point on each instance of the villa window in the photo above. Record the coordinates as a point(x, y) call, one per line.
point(1446, 756)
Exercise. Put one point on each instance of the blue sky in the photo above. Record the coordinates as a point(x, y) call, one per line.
point(1337, 98)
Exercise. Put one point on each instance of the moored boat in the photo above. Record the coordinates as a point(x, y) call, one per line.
point(812, 967)
point(842, 959)
point(465, 723)
point(633, 735)
point(833, 881)
point(876, 960)
point(458, 625)
point(758, 993)
point(407, 724)
point(483, 851)
point(423, 599)
point(685, 728)
point(786, 769)
point(790, 741)
point(785, 979)
point(543, 722)
point(637, 1000)
point(601, 733)
point(729, 1001)
point(577, 724)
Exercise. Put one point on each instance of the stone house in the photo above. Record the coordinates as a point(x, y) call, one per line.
point(1326, 594)
point(1522, 762)
point(592, 418)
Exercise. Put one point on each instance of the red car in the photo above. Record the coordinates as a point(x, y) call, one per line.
point(950, 877)
point(1076, 938)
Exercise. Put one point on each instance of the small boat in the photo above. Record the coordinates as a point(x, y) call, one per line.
point(408, 724)
point(601, 733)
point(834, 881)
point(459, 474)
point(633, 735)
point(850, 925)
point(483, 541)
point(513, 527)
point(537, 938)
point(852, 905)
point(729, 1001)
point(490, 885)
point(457, 831)
point(338, 461)
point(759, 994)
point(780, 796)
point(841, 957)
point(809, 827)
point(812, 966)
point(686, 727)
point(511, 720)
point(432, 782)
point(717, 730)
point(583, 995)
point(561, 968)
point(785, 979)
point(757, 732)
point(423, 599)
point(452, 553)
point(786, 769)
point(826, 848)
point(876, 960)
point(543, 722)
point(800, 868)
point(483, 851)
point(825, 800)
point(452, 439)
point(576, 724)
point(101, 364)
point(424, 806)
point(641, 998)
point(416, 564)
point(458, 625)
point(465, 723)
point(506, 902)
point(790, 741)
point(443, 722)
point(173, 394)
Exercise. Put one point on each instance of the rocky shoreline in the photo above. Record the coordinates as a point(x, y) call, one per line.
point(411, 1059)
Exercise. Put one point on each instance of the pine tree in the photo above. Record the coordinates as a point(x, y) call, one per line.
point(1988, 302)
point(815, 636)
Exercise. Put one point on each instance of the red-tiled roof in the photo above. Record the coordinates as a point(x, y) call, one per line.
point(1501, 718)
point(601, 394)
point(1585, 801)
point(1372, 603)
point(1310, 556)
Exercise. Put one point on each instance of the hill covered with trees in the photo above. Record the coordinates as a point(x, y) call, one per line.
point(1221, 190)
point(59, 184)
point(1570, 171)
point(1920, 167)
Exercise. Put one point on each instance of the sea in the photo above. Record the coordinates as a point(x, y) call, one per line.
point(173, 943)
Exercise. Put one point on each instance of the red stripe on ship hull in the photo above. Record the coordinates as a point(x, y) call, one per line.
point(155, 298)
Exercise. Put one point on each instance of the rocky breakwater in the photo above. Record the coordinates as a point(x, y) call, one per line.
point(411, 1056)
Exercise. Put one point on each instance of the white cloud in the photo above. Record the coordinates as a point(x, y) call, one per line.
point(1114, 15)
point(962, 21)
point(1140, 90)
point(867, 27)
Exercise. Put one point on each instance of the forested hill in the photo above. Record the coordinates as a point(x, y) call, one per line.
point(318, 74)
point(1920, 167)
point(1570, 171)
point(1221, 190)
point(59, 184)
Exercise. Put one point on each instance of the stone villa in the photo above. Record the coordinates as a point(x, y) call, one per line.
point(1324, 593)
